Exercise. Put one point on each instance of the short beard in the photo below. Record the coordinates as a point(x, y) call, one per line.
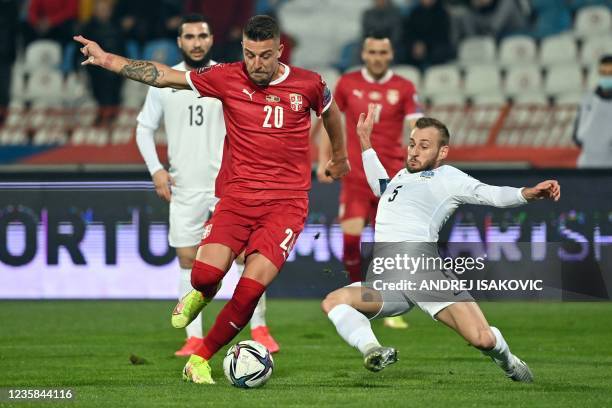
point(428, 166)
point(194, 63)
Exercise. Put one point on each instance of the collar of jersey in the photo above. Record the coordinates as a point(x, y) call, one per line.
point(282, 77)
point(182, 67)
point(370, 78)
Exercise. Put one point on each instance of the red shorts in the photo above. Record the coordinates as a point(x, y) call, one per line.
point(269, 227)
point(357, 201)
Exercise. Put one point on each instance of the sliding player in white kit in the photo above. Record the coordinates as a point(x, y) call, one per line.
point(195, 130)
point(413, 207)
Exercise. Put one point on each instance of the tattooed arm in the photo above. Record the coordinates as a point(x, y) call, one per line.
point(147, 72)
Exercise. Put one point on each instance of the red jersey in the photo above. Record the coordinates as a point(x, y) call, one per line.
point(267, 128)
point(396, 100)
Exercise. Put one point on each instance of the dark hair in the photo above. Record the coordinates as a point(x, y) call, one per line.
point(380, 34)
point(606, 59)
point(193, 18)
point(426, 122)
point(261, 28)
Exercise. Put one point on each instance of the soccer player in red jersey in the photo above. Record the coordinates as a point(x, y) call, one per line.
point(266, 173)
point(396, 102)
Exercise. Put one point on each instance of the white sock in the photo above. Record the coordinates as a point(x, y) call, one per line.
point(259, 315)
point(195, 328)
point(353, 327)
point(501, 352)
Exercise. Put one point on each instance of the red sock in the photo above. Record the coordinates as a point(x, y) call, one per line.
point(352, 256)
point(205, 278)
point(233, 317)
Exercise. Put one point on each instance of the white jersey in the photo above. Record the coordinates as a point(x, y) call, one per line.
point(414, 206)
point(195, 131)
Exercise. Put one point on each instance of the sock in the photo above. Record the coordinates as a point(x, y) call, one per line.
point(205, 278)
point(501, 352)
point(195, 328)
point(352, 256)
point(233, 317)
point(259, 315)
point(353, 327)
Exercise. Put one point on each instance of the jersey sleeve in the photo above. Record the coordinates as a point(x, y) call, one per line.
point(152, 110)
point(340, 94)
point(412, 106)
point(322, 97)
point(208, 81)
point(468, 190)
point(375, 172)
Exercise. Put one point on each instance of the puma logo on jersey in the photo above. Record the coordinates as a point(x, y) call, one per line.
point(250, 94)
point(358, 93)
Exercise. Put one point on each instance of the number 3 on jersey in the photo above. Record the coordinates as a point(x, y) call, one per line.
point(278, 116)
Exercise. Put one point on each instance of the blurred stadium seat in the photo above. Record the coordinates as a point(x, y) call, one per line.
point(409, 72)
point(442, 80)
point(482, 80)
point(558, 49)
point(517, 50)
point(563, 79)
point(522, 79)
point(45, 87)
point(42, 54)
point(477, 50)
point(133, 94)
point(593, 48)
point(593, 21)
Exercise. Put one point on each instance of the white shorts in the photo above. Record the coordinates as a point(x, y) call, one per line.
point(394, 304)
point(189, 210)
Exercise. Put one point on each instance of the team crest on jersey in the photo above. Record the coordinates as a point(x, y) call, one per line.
point(393, 96)
point(427, 174)
point(207, 229)
point(375, 96)
point(296, 102)
point(272, 98)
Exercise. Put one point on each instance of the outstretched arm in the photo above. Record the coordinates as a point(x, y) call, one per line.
point(474, 192)
point(147, 72)
point(375, 172)
point(338, 166)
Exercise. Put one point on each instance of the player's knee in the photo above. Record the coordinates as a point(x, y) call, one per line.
point(186, 262)
point(483, 339)
point(334, 299)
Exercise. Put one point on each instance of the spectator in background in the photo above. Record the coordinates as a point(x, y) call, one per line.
point(426, 35)
point(592, 131)
point(385, 18)
point(51, 19)
point(8, 38)
point(550, 17)
point(145, 20)
point(227, 21)
point(105, 85)
point(492, 17)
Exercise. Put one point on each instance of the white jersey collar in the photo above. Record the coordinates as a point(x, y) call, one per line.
point(282, 77)
point(181, 66)
point(366, 75)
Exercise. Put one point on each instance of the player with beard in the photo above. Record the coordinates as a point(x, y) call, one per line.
point(195, 132)
point(266, 171)
point(413, 207)
point(396, 104)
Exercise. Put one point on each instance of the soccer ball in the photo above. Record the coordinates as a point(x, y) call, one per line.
point(248, 364)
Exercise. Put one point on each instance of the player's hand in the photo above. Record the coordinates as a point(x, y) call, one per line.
point(549, 189)
point(92, 51)
point(322, 174)
point(365, 124)
point(337, 168)
point(162, 181)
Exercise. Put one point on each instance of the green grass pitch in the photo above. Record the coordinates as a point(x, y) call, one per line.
point(85, 345)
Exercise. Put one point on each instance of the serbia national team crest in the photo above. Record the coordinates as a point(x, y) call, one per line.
point(393, 96)
point(296, 102)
